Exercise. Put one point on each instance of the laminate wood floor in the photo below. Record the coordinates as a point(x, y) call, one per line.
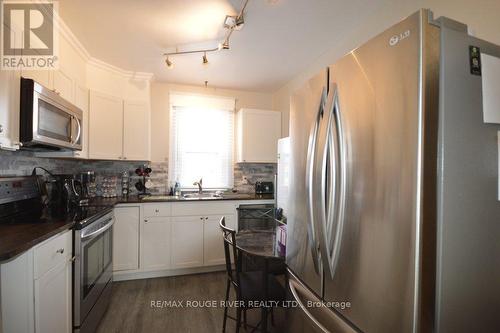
point(131, 308)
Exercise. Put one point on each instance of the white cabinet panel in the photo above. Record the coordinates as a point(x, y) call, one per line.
point(126, 238)
point(64, 85)
point(105, 127)
point(155, 244)
point(36, 288)
point(16, 285)
point(52, 253)
point(213, 245)
point(187, 242)
point(157, 209)
point(82, 101)
point(258, 132)
point(43, 77)
point(9, 109)
point(53, 300)
point(136, 138)
point(204, 208)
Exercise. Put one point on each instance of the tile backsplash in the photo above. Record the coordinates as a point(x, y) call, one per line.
point(21, 163)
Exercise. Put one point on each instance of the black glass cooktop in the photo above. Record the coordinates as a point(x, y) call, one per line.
point(83, 216)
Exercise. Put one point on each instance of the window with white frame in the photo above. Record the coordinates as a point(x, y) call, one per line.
point(201, 141)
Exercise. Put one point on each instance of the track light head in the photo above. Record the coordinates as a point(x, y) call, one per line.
point(170, 64)
point(205, 59)
point(224, 45)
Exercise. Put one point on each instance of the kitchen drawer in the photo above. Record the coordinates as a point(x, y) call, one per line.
point(203, 208)
point(157, 209)
point(52, 252)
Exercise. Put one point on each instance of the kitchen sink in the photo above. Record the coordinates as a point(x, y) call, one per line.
point(201, 196)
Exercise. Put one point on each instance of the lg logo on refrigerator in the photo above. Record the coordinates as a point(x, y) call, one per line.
point(394, 40)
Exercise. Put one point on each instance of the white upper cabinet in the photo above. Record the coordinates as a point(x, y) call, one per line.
point(105, 127)
point(9, 109)
point(42, 77)
point(64, 85)
point(119, 130)
point(136, 145)
point(258, 132)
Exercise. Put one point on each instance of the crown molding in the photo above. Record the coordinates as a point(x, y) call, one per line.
point(68, 35)
point(116, 70)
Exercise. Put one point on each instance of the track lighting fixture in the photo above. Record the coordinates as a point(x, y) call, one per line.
point(169, 63)
point(231, 24)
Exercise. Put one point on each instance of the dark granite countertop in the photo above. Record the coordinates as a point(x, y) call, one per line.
point(163, 198)
point(18, 237)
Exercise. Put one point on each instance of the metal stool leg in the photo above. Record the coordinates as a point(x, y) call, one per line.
point(225, 307)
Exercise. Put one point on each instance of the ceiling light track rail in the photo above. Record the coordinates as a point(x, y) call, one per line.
point(231, 23)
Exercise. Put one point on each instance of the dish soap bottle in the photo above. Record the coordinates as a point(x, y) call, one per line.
point(177, 189)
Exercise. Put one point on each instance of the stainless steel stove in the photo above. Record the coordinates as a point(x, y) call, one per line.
point(21, 202)
point(92, 270)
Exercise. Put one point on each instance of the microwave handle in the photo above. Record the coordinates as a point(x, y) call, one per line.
point(79, 133)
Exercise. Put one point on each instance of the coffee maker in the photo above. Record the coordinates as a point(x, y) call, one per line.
point(66, 193)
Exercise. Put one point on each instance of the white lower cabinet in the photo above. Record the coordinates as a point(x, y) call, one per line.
point(155, 244)
point(187, 241)
point(157, 239)
point(213, 246)
point(53, 300)
point(126, 238)
point(36, 288)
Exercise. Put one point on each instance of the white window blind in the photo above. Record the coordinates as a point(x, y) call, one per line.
point(201, 141)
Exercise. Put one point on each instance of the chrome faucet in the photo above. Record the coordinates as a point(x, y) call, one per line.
point(200, 184)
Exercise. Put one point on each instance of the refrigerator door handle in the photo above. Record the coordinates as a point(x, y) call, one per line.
point(312, 227)
point(334, 180)
point(304, 309)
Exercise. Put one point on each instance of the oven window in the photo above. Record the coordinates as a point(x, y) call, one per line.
point(52, 122)
point(97, 254)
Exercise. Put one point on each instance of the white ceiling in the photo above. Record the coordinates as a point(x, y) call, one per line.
point(280, 37)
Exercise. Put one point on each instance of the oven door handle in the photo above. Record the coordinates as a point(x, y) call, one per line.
point(99, 231)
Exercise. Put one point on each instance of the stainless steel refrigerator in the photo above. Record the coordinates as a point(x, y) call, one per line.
point(394, 214)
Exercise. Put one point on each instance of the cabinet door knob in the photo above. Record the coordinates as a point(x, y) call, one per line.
point(1, 128)
point(61, 251)
point(124, 158)
point(73, 259)
point(157, 210)
point(146, 221)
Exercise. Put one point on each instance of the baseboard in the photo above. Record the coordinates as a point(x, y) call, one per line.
point(137, 275)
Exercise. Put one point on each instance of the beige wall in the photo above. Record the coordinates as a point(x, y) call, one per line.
point(160, 106)
point(482, 17)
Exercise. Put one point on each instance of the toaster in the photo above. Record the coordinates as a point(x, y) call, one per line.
point(264, 188)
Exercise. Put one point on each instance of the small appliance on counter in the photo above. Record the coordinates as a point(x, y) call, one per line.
point(264, 188)
point(66, 192)
point(87, 179)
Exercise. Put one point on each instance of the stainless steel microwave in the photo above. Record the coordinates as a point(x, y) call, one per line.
point(48, 121)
